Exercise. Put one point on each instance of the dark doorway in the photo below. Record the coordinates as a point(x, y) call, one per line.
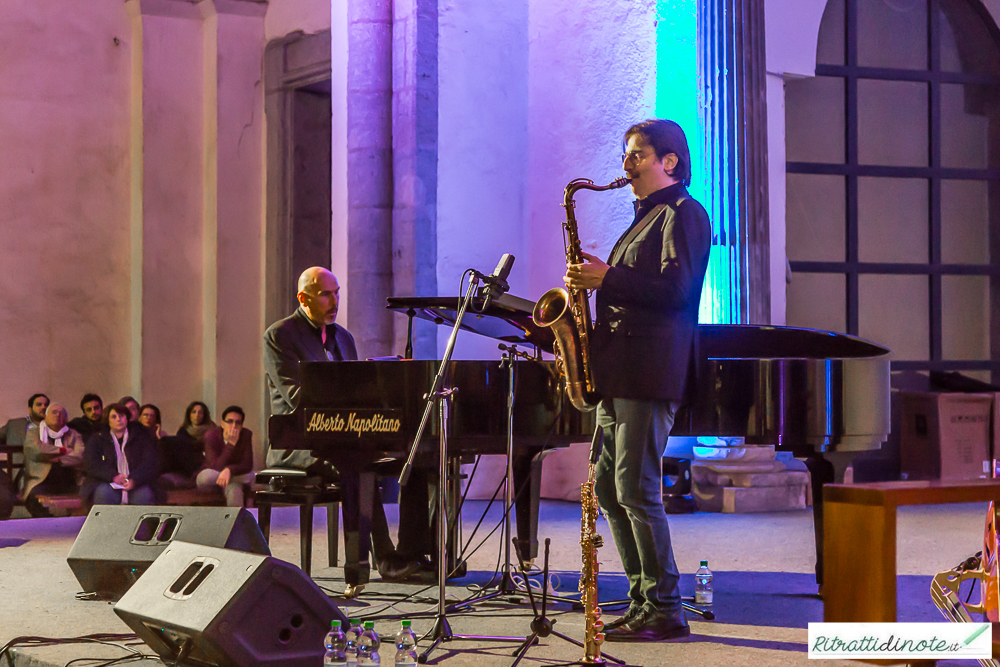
point(298, 107)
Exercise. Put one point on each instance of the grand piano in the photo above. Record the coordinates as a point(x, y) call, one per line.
point(815, 393)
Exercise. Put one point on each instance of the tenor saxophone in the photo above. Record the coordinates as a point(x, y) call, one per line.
point(567, 311)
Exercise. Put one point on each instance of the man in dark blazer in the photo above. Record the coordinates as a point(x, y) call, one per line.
point(311, 334)
point(13, 434)
point(644, 334)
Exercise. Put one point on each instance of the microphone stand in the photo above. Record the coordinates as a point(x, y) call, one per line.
point(506, 586)
point(441, 397)
point(541, 625)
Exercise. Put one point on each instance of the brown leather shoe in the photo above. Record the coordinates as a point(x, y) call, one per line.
point(622, 620)
point(650, 626)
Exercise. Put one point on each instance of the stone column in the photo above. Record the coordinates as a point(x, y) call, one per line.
point(197, 163)
point(415, 154)
point(234, 116)
point(751, 97)
point(369, 174)
point(167, 206)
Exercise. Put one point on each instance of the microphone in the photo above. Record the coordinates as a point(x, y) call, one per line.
point(496, 284)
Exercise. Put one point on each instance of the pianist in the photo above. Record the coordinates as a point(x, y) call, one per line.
point(311, 334)
point(647, 315)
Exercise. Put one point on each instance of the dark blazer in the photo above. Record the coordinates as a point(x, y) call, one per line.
point(286, 343)
point(101, 464)
point(647, 307)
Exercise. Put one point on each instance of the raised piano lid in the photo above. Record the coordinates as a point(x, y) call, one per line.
point(752, 341)
point(508, 318)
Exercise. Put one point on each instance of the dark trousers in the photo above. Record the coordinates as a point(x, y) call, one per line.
point(59, 480)
point(414, 537)
point(628, 489)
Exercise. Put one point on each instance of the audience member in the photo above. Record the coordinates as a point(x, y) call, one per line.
point(182, 455)
point(132, 405)
point(197, 422)
point(7, 497)
point(228, 457)
point(52, 454)
point(90, 423)
point(120, 462)
point(14, 432)
point(149, 416)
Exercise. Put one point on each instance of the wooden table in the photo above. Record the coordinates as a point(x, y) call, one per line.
point(859, 541)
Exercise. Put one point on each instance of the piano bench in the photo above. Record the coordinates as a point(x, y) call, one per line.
point(289, 486)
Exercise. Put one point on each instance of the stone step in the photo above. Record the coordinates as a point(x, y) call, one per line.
point(743, 500)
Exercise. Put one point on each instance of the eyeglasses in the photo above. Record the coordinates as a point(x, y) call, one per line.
point(636, 156)
point(233, 422)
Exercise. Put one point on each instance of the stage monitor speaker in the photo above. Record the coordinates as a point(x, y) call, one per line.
point(118, 542)
point(199, 605)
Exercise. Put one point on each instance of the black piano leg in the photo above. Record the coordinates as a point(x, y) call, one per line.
point(527, 487)
point(357, 502)
point(305, 536)
point(821, 472)
point(264, 520)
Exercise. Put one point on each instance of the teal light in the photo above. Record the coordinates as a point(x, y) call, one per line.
point(684, 94)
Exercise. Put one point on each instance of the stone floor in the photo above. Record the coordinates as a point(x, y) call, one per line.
point(764, 588)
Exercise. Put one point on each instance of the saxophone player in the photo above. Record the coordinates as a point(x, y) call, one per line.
point(646, 322)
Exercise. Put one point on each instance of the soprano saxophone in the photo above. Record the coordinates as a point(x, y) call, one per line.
point(567, 311)
point(590, 542)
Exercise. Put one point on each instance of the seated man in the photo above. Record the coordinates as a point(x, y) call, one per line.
point(311, 334)
point(13, 434)
point(52, 454)
point(120, 462)
point(228, 457)
point(90, 423)
point(132, 405)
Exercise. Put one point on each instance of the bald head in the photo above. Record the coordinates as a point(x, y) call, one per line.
point(319, 294)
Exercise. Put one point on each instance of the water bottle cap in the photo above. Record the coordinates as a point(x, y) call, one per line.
point(405, 624)
point(369, 625)
point(334, 625)
point(355, 621)
point(704, 563)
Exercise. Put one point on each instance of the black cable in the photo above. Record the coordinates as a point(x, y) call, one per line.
point(31, 640)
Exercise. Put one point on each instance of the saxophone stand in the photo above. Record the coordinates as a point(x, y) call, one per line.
point(541, 625)
point(442, 396)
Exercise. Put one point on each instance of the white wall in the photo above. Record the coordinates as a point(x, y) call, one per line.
point(483, 147)
point(592, 75)
point(65, 316)
point(285, 16)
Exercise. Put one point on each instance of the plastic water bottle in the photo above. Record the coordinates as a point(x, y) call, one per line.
point(336, 647)
point(703, 585)
point(406, 646)
point(368, 644)
point(351, 636)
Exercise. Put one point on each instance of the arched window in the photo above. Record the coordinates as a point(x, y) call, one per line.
point(893, 182)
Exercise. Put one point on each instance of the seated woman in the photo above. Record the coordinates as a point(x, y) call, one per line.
point(184, 454)
point(228, 457)
point(52, 454)
point(120, 462)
